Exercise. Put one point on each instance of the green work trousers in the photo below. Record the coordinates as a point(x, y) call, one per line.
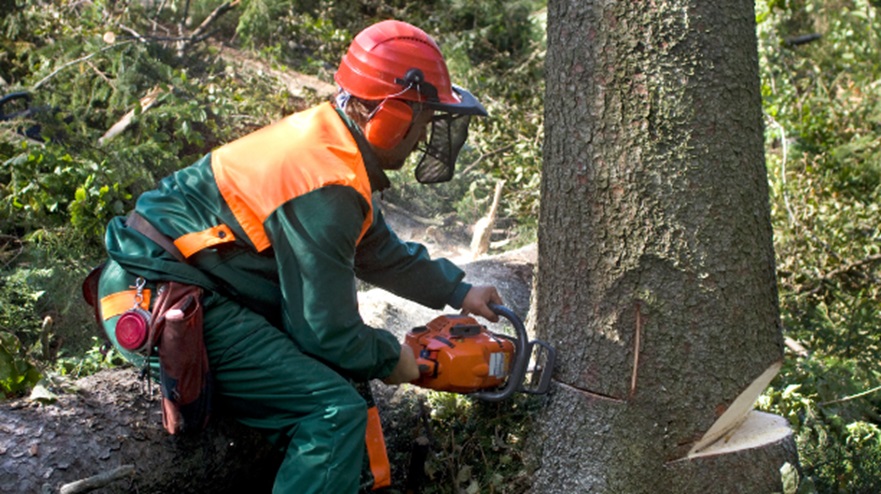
point(263, 380)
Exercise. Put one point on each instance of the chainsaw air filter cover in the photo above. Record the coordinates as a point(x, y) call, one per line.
point(456, 354)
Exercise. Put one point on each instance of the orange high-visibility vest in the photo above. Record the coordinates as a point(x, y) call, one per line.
point(261, 171)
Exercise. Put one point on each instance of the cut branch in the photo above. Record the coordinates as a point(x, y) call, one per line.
point(97, 481)
point(796, 347)
point(133, 33)
point(483, 229)
point(145, 103)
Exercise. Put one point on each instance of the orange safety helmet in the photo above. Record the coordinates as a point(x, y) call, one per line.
point(392, 61)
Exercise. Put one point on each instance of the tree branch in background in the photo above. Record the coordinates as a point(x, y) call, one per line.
point(486, 155)
point(785, 147)
point(7, 255)
point(74, 62)
point(200, 31)
point(848, 267)
point(841, 270)
point(133, 33)
point(852, 397)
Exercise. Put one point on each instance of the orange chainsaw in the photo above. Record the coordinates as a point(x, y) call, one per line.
point(457, 354)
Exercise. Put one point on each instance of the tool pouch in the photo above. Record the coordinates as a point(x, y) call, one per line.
point(185, 379)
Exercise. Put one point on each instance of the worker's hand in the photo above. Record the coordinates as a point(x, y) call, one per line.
point(476, 300)
point(406, 370)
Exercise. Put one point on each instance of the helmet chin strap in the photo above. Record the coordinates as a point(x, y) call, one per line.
point(342, 98)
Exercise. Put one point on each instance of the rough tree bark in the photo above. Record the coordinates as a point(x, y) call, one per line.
point(656, 278)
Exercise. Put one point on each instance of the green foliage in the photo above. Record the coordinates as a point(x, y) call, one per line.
point(100, 355)
point(20, 332)
point(308, 35)
point(60, 187)
point(196, 108)
point(824, 150)
point(479, 446)
point(42, 186)
point(93, 203)
point(17, 373)
point(838, 453)
point(19, 298)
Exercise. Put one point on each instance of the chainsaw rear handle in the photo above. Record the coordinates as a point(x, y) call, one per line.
point(521, 358)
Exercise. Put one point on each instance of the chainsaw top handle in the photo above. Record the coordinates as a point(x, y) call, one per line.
point(521, 358)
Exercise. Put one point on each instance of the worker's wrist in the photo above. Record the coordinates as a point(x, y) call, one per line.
point(391, 360)
point(458, 295)
point(405, 370)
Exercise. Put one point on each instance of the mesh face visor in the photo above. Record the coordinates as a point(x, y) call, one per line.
point(447, 136)
point(448, 133)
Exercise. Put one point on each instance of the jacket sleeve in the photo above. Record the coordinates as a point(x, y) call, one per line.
point(314, 239)
point(406, 269)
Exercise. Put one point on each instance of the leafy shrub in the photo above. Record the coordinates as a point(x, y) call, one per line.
point(100, 355)
point(17, 373)
point(479, 446)
point(20, 334)
point(821, 99)
point(18, 303)
point(59, 188)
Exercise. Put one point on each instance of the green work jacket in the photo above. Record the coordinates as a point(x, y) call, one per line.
point(283, 221)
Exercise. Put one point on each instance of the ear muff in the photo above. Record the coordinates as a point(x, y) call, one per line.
point(389, 124)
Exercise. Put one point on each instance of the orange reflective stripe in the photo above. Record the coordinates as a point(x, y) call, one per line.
point(379, 464)
point(191, 243)
point(119, 302)
point(260, 172)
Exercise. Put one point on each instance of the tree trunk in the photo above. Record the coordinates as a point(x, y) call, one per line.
point(656, 277)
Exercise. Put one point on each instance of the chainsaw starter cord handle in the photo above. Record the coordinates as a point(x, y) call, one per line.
point(521, 357)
